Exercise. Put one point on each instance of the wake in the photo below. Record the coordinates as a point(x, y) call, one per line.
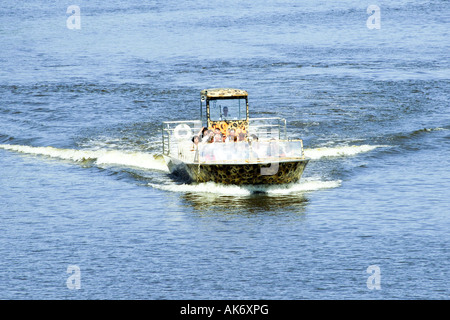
point(341, 151)
point(100, 157)
point(305, 185)
point(149, 161)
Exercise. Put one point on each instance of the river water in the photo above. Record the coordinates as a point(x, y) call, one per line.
point(89, 210)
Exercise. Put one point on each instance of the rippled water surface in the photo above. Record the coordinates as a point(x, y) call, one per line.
point(82, 183)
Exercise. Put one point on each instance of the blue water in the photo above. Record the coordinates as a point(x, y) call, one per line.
point(81, 182)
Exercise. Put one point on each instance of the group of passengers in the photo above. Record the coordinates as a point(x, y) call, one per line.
point(206, 141)
point(209, 136)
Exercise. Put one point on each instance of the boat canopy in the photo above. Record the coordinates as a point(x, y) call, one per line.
point(226, 109)
point(224, 93)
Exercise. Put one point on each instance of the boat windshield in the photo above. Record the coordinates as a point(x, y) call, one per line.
point(228, 109)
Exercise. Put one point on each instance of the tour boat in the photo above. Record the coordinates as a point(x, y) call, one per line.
point(227, 146)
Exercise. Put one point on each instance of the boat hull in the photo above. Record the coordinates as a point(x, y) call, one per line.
point(251, 173)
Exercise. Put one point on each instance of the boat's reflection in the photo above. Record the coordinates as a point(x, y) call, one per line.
point(256, 202)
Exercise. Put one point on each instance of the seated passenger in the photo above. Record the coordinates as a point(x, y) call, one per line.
point(218, 137)
point(208, 137)
point(231, 136)
point(241, 136)
point(202, 132)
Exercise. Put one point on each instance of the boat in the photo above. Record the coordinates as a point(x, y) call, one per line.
point(226, 146)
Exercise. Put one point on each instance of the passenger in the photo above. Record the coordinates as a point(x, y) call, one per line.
point(195, 140)
point(194, 147)
point(202, 132)
point(218, 137)
point(241, 136)
point(231, 136)
point(200, 135)
point(208, 138)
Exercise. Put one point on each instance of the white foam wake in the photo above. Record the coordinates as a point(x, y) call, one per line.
point(340, 151)
point(235, 190)
point(101, 157)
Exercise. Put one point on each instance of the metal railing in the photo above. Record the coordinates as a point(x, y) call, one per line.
point(253, 151)
point(174, 132)
point(270, 143)
point(267, 128)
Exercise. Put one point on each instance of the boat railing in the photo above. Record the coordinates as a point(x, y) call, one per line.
point(267, 128)
point(177, 134)
point(248, 151)
point(263, 143)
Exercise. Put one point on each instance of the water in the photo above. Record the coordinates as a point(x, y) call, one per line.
point(82, 183)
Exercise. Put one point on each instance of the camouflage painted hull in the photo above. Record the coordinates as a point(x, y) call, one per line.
point(280, 172)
